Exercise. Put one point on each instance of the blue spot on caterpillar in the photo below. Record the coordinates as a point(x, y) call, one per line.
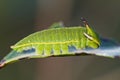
point(71, 48)
point(28, 51)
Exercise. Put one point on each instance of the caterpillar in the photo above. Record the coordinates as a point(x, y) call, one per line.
point(55, 41)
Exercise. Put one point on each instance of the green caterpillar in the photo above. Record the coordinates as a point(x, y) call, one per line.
point(55, 41)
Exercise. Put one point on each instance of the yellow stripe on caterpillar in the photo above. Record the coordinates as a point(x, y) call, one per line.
point(44, 43)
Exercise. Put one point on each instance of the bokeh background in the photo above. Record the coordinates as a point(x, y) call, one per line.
point(19, 18)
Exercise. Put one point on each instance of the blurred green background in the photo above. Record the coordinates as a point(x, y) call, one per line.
point(19, 18)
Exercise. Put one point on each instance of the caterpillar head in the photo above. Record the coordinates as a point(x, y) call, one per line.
point(93, 39)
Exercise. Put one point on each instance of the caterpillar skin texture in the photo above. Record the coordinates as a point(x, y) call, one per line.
point(54, 41)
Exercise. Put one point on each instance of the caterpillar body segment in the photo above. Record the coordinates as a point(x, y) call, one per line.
point(55, 41)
